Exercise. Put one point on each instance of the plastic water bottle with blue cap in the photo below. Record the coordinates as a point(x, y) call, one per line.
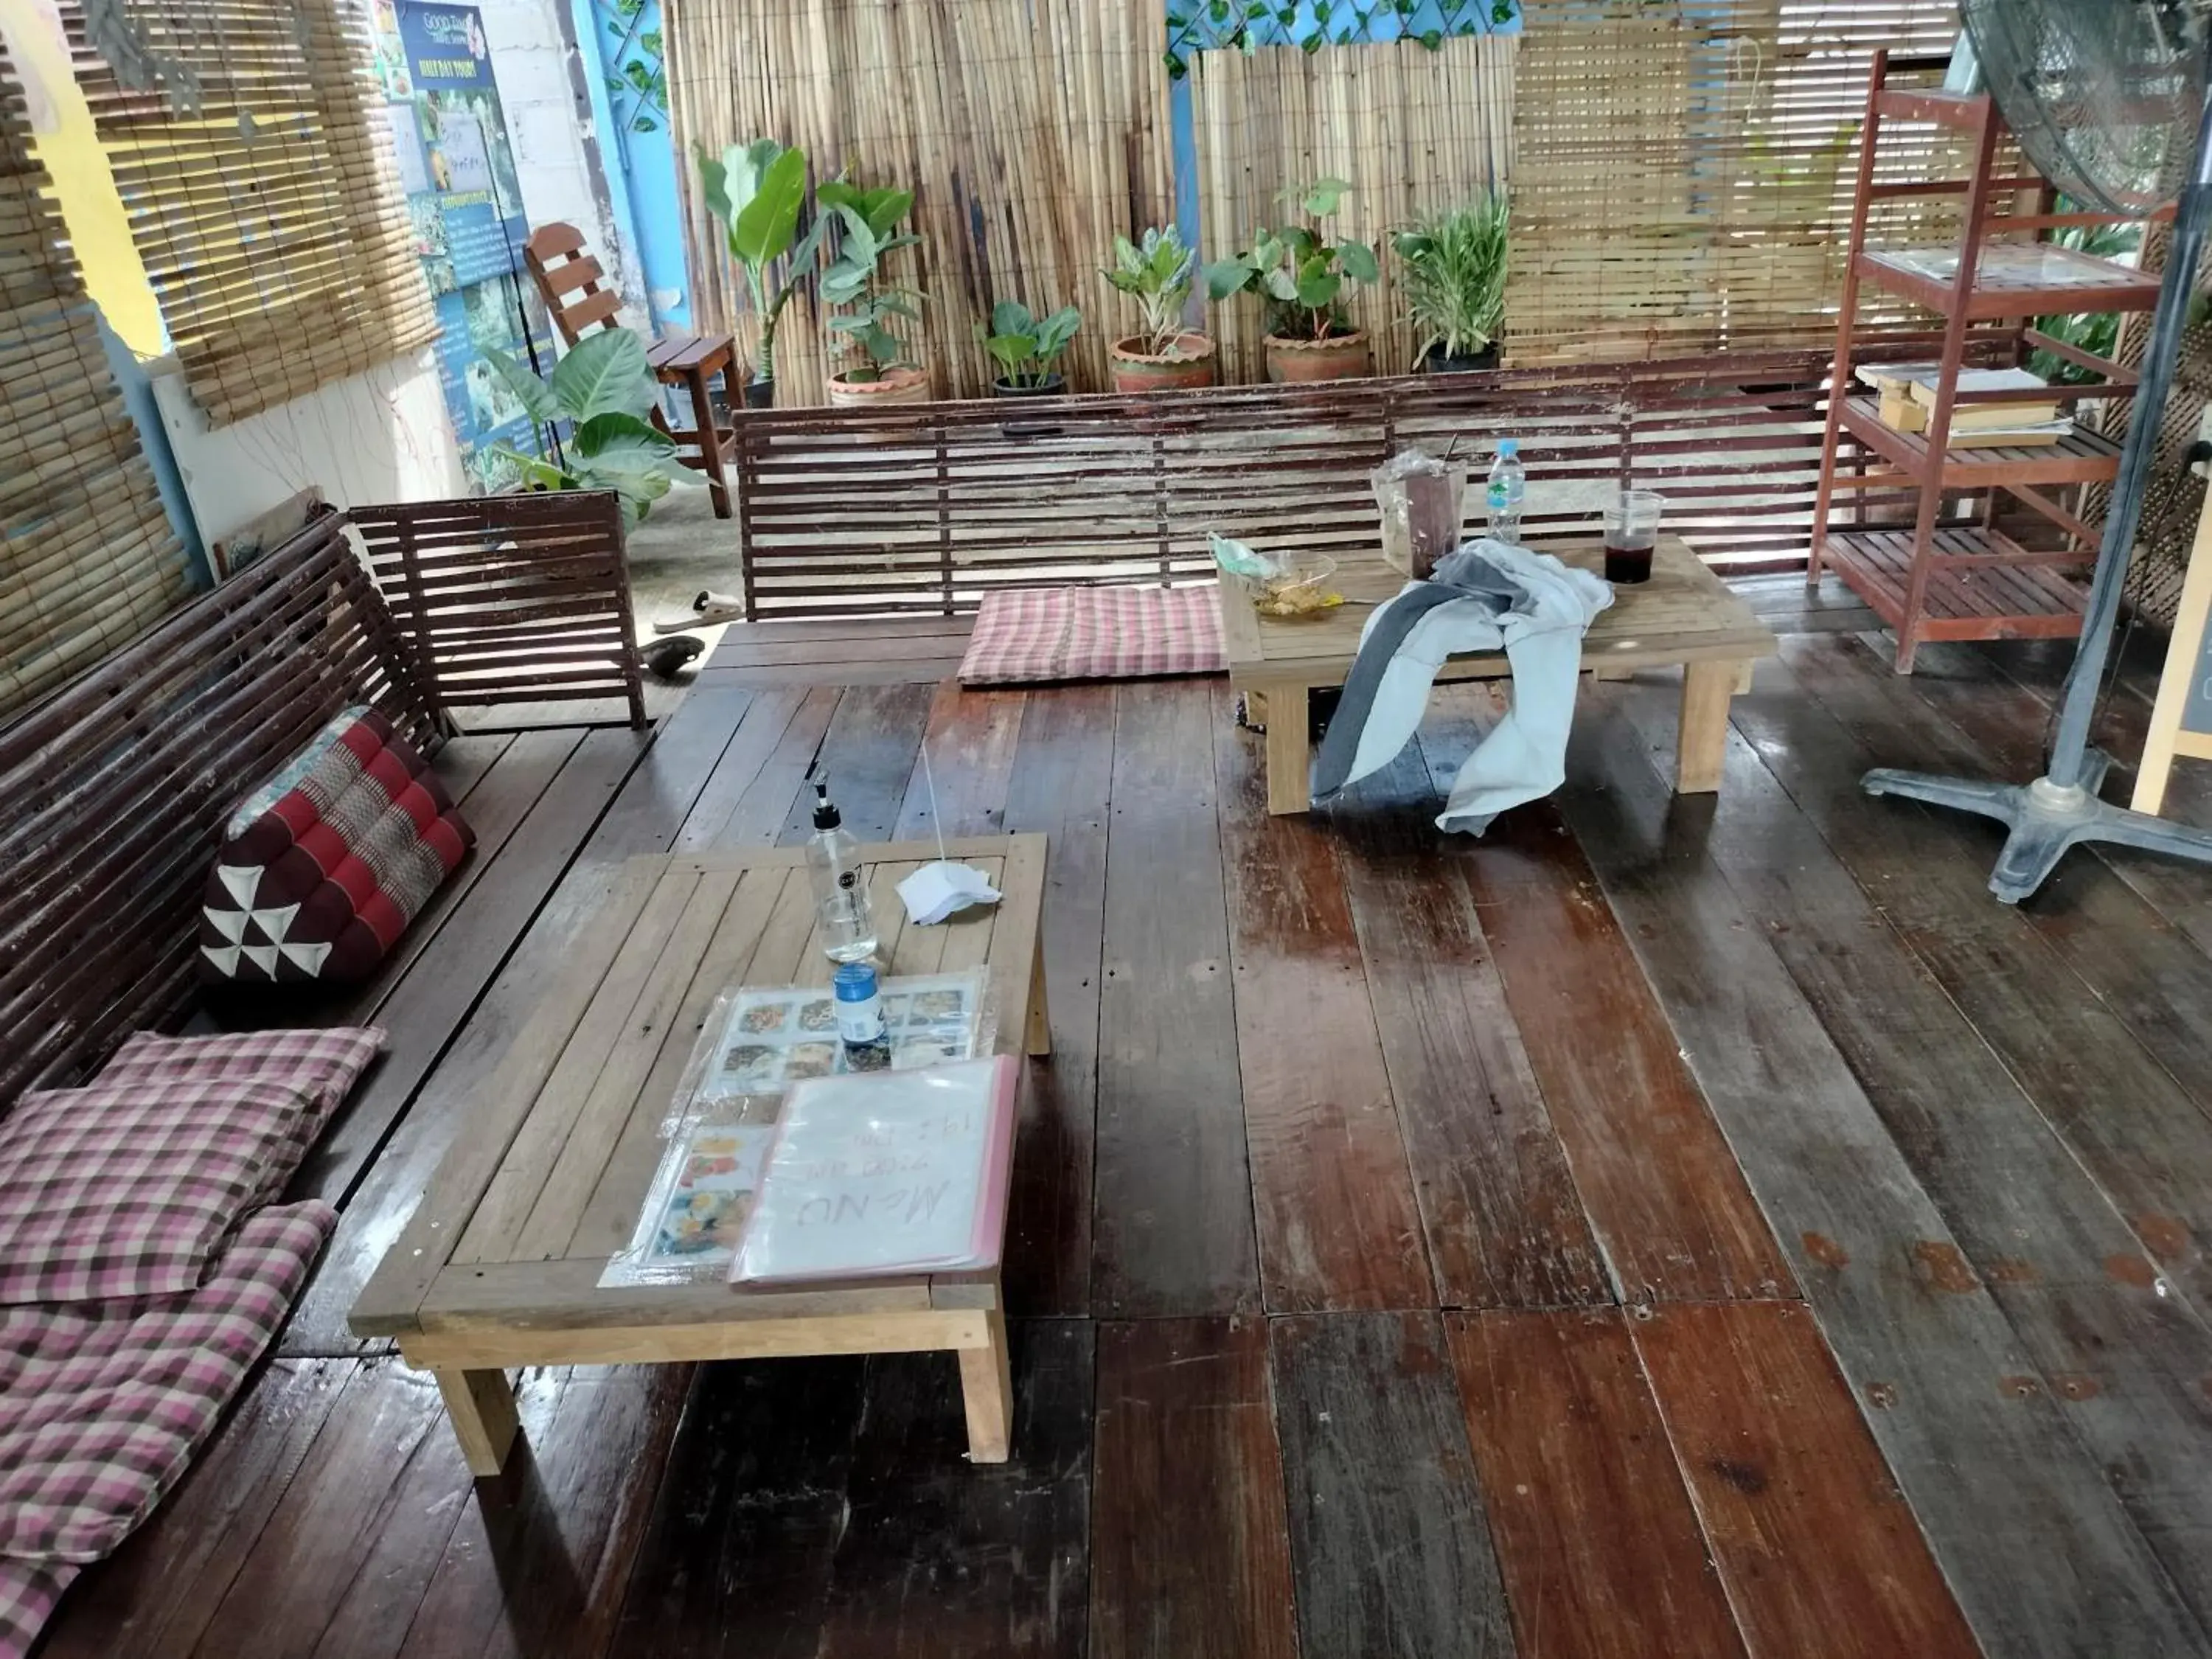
point(1508, 483)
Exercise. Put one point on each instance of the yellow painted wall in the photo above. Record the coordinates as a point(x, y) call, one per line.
point(62, 133)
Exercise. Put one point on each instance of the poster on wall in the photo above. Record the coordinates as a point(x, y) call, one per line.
point(457, 169)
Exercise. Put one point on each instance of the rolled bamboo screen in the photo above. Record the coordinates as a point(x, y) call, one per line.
point(88, 561)
point(1030, 134)
point(1413, 131)
point(263, 195)
point(1683, 170)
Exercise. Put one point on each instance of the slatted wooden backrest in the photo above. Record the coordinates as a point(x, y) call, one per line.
point(927, 508)
point(114, 791)
point(510, 599)
point(568, 279)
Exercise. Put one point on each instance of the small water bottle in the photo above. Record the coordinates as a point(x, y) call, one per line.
point(840, 887)
point(1508, 483)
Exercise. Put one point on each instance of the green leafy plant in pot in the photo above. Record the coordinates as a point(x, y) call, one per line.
point(604, 387)
point(1454, 283)
point(1301, 275)
point(1026, 347)
point(756, 191)
point(880, 369)
point(1157, 273)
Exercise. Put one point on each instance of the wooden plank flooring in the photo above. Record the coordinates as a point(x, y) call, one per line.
point(1665, 1226)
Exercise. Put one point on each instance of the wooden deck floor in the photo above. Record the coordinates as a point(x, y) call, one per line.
point(1671, 1228)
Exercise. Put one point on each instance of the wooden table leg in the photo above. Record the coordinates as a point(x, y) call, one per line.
point(1290, 750)
point(482, 1407)
point(987, 1389)
point(1039, 1032)
point(710, 440)
point(1701, 742)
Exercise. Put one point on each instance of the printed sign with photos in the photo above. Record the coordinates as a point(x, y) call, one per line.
point(761, 1040)
point(688, 1227)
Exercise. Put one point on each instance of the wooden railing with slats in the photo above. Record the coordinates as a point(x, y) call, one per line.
point(926, 508)
point(114, 791)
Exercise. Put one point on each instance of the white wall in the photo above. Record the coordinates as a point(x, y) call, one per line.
point(380, 436)
point(551, 125)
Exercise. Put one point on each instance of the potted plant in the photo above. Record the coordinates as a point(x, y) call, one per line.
point(881, 371)
point(604, 387)
point(756, 190)
point(1301, 275)
point(1157, 272)
point(1027, 347)
point(1454, 265)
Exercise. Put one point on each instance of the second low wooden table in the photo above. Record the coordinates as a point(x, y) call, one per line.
point(500, 1265)
point(1684, 614)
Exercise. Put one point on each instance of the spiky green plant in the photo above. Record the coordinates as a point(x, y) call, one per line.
point(1454, 276)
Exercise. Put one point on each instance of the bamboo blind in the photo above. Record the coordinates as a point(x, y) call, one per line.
point(263, 195)
point(1413, 130)
point(1684, 170)
point(88, 561)
point(1030, 134)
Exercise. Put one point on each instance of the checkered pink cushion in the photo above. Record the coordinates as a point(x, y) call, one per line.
point(126, 1188)
point(102, 1407)
point(1027, 635)
point(327, 1062)
point(28, 1591)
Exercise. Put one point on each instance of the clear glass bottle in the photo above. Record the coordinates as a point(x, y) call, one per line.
point(1509, 483)
point(840, 886)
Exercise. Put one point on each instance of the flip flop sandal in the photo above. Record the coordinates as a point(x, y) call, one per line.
point(706, 609)
point(665, 656)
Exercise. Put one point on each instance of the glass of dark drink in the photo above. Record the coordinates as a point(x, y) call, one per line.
point(1632, 531)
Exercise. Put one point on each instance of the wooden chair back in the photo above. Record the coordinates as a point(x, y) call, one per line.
point(568, 279)
point(114, 791)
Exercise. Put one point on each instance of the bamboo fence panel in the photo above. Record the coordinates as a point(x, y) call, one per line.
point(87, 560)
point(1684, 171)
point(1412, 130)
point(265, 201)
point(1030, 135)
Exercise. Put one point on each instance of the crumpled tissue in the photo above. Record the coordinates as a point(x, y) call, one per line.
point(937, 890)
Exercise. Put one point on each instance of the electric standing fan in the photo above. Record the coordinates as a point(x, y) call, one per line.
point(2104, 95)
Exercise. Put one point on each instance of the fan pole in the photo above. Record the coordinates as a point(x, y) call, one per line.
point(2061, 807)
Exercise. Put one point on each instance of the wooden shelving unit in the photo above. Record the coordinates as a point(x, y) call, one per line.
point(1955, 573)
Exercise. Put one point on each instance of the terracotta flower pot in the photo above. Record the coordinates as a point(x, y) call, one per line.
point(900, 384)
point(1136, 369)
point(1340, 357)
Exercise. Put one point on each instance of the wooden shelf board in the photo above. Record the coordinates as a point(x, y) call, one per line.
point(2080, 457)
point(2115, 288)
point(1992, 601)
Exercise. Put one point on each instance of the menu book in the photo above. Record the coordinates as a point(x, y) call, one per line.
point(880, 1173)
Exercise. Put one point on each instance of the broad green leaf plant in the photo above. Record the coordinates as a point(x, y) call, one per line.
point(853, 281)
point(1296, 271)
point(1027, 347)
point(603, 386)
point(756, 191)
point(1157, 273)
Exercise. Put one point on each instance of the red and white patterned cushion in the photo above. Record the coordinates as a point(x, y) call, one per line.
point(127, 1188)
point(324, 867)
point(102, 1406)
point(327, 1062)
point(1023, 635)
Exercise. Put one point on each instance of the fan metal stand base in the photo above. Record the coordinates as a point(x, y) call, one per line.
point(2044, 819)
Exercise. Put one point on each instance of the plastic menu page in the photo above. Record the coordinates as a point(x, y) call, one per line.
point(884, 1173)
point(694, 1211)
point(760, 1040)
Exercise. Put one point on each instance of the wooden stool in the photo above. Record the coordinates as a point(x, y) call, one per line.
point(568, 279)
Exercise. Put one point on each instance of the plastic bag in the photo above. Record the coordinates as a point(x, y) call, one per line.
point(1423, 501)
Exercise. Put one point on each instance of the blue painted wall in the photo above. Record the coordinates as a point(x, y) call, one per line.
point(622, 42)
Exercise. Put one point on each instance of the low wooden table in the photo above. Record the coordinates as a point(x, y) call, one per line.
point(500, 1265)
point(1684, 614)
